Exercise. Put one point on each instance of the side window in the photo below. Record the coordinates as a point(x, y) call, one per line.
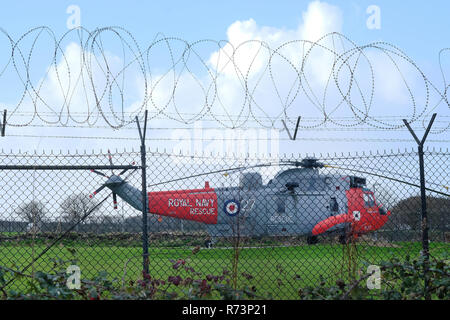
point(369, 200)
point(334, 206)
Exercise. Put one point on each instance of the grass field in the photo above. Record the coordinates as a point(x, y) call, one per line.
point(276, 270)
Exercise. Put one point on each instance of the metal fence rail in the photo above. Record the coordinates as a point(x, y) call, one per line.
point(284, 222)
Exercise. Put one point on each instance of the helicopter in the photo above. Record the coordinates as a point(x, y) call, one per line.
point(298, 201)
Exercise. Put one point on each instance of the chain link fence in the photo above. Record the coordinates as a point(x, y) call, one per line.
point(283, 223)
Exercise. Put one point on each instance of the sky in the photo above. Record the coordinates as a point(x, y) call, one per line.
point(417, 28)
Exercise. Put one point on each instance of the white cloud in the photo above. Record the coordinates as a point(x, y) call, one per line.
point(246, 56)
point(319, 19)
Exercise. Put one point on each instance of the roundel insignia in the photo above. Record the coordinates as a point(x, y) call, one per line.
point(356, 215)
point(232, 207)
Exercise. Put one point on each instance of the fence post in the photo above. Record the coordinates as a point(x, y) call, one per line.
point(3, 126)
point(144, 195)
point(295, 131)
point(424, 224)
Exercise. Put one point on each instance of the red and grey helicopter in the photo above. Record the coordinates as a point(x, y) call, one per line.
point(297, 201)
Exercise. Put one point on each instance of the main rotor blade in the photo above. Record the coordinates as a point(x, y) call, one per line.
point(99, 173)
point(125, 170)
point(130, 173)
point(115, 200)
point(97, 191)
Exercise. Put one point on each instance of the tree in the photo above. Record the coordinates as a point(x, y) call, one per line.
point(408, 211)
point(76, 206)
point(109, 223)
point(32, 212)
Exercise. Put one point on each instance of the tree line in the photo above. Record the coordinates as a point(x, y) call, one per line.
point(76, 206)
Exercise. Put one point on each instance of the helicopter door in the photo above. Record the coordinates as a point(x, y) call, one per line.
point(247, 223)
point(281, 209)
point(333, 206)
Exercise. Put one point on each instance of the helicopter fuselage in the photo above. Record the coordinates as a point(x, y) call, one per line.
point(297, 201)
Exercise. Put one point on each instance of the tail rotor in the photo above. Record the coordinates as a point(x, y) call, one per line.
point(109, 182)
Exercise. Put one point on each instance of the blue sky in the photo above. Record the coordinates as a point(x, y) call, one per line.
point(417, 27)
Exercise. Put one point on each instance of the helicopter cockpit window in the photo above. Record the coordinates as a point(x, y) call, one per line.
point(369, 201)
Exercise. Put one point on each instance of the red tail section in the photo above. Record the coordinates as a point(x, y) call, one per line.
point(195, 205)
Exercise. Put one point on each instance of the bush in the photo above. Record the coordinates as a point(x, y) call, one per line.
point(400, 280)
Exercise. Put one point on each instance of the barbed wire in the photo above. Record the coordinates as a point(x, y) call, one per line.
point(157, 152)
point(85, 84)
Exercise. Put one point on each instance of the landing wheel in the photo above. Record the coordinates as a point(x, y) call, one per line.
point(312, 240)
point(208, 244)
point(343, 239)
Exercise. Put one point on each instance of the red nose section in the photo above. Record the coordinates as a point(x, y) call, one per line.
point(196, 205)
point(364, 217)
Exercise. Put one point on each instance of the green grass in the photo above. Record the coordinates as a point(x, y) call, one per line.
point(305, 263)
